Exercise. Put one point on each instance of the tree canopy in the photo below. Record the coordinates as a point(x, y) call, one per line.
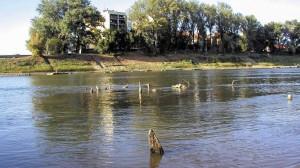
point(65, 25)
point(158, 26)
point(168, 25)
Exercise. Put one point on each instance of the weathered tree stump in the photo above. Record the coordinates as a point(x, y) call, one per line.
point(91, 91)
point(154, 145)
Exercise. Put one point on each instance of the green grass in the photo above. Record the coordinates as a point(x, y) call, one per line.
point(71, 65)
point(280, 61)
point(183, 64)
point(224, 65)
point(37, 64)
point(30, 65)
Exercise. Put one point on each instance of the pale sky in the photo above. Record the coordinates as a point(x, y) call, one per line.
point(16, 15)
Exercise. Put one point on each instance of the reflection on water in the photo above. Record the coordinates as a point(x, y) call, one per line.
point(155, 160)
point(56, 122)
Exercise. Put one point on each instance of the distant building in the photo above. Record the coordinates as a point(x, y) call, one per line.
point(114, 20)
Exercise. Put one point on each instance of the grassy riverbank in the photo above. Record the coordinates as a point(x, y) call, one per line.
point(135, 61)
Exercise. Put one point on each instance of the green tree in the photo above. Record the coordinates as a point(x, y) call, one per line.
point(78, 22)
point(250, 28)
point(54, 46)
point(210, 12)
point(115, 40)
point(108, 43)
point(234, 33)
point(223, 22)
point(292, 35)
point(274, 34)
point(201, 29)
point(160, 22)
point(36, 43)
point(70, 21)
point(259, 42)
point(193, 9)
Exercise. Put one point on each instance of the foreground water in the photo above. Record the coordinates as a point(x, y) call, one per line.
point(53, 121)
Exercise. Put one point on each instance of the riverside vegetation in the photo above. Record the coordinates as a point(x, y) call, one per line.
point(158, 28)
point(134, 61)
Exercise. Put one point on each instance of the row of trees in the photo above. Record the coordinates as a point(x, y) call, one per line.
point(169, 25)
point(157, 26)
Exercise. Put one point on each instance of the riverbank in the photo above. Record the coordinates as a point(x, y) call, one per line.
point(136, 62)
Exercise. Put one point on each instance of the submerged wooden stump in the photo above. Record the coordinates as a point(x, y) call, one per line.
point(154, 145)
point(290, 97)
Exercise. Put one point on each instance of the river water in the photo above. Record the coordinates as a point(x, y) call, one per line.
point(54, 121)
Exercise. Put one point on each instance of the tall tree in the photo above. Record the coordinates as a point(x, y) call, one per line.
point(274, 34)
point(210, 12)
point(176, 18)
point(36, 43)
point(250, 27)
point(223, 21)
point(292, 34)
point(69, 21)
point(201, 29)
point(193, 9)
point(78, 21)
point(151, 19)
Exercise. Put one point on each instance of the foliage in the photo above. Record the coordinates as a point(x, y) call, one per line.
point(250, 26)
point(54, 46)
point(274, 35)
point(36, 43)
point(116, 40)
point(168, 25)
point(292, 34)
point(66, 25)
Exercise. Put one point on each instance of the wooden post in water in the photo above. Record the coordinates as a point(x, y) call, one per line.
point(140, 93)
point(154, 145)
point(91, 91)
point(148, 86)
point(290, 97)
point(140, 87)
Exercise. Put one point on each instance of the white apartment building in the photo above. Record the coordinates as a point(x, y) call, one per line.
point(114, 20)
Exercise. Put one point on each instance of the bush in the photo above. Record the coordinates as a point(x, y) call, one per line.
point(215, 59)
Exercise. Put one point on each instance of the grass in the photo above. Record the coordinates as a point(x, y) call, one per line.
point(225, 65)
point(24, 65)
point(71, 65)
point(280, 61)
point(185, 64)
point(138, 62)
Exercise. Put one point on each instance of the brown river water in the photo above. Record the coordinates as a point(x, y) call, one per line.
point(54, 121)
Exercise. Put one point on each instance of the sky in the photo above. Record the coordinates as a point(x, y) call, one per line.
point(16, 15)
